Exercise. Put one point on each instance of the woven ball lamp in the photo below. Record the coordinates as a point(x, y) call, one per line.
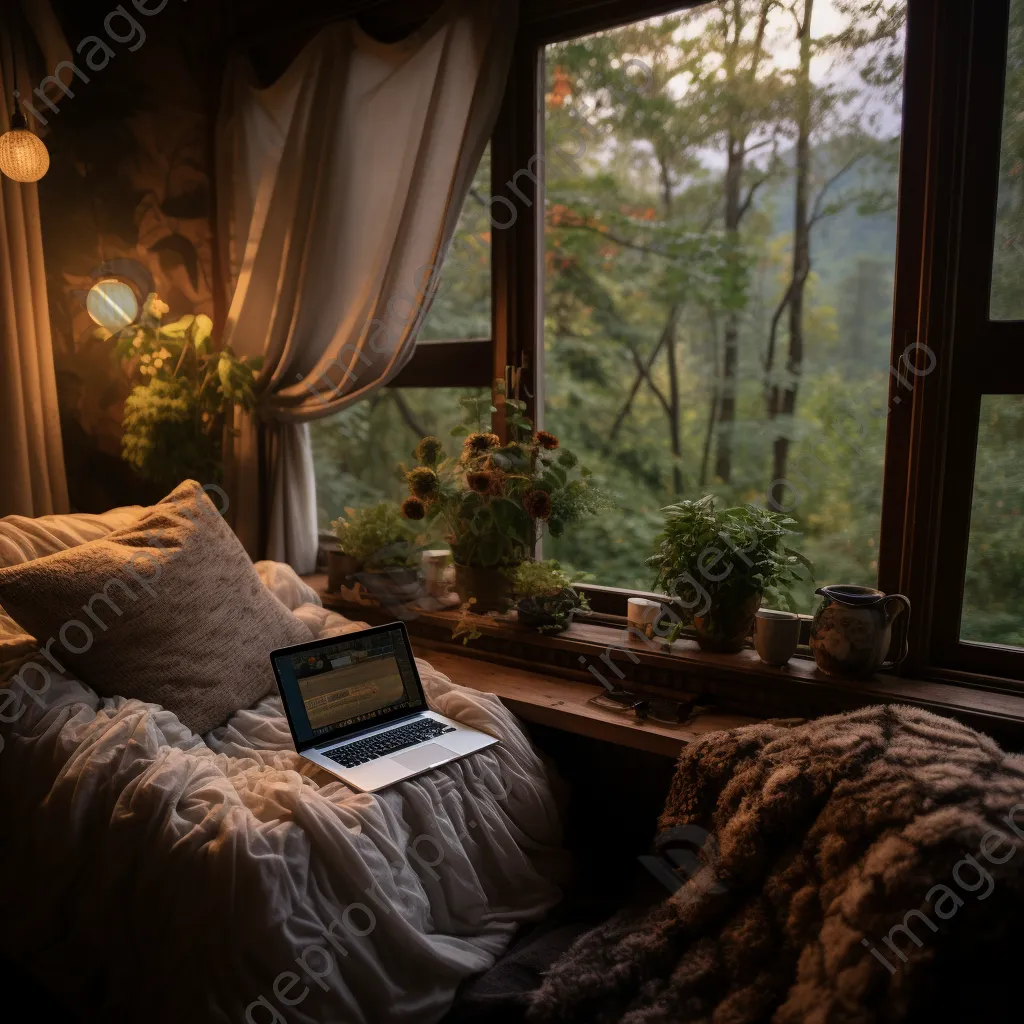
point(23, 155)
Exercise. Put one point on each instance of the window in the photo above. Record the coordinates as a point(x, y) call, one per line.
point(462, 306)
point(356, 453)
point(993, 610)
point(704, 290)
point(964, 573)
point(1007, 295)
point(719, 246)
point(697, 279)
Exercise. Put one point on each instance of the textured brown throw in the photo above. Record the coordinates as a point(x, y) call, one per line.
point(168, 610)
point(869, 867)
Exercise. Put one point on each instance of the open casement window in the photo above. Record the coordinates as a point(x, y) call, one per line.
point(699, 281)
point(958, 455)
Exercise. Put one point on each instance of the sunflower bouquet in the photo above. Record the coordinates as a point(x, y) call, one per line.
point(494, 497)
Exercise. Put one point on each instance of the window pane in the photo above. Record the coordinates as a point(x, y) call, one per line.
point(993, 609)
point(462, 306)
point(1008, 269)
point(356, 454)
point(720, 247)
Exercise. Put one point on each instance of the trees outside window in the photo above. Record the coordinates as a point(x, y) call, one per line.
point(719, 269)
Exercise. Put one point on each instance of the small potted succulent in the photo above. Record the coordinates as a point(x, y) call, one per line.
point(493, 497)
point(375, 546)
point(718, 565)
point(545, 597)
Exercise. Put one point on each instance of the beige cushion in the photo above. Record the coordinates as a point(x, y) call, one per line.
point(169, 610)
point(23, 539)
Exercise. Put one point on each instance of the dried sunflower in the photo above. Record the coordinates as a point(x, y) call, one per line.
point(413, 508)
point(482, 442)
point(422, 482)
point(546, 440)
point(479, 481)
point(537, 504)
point(429, 451)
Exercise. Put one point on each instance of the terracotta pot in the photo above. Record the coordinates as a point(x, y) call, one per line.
point(724, 628)
point(339, 567)
point(490, 587)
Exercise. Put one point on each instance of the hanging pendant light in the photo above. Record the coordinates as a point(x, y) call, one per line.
point(23, 155)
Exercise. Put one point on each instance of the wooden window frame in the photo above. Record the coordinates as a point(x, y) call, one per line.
point(952, 121)
point(944, 280)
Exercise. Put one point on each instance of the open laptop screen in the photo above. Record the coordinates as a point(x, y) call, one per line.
point(347, 683)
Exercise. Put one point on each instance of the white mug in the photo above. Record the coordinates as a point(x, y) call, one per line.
point(643, 615)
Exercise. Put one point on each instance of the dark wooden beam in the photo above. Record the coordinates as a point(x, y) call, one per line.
point(448, 364)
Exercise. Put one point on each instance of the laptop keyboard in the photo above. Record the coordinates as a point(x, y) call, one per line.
point(385, 743)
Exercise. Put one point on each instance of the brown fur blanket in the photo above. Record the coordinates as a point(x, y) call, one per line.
point(862, 867)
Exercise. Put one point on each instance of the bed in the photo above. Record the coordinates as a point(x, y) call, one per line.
point(154, 873)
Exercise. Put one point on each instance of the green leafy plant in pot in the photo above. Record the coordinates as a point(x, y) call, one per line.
point(718, 566)
point(493, 497)
point(376, 545)
point(185, 391)
point(545, 597)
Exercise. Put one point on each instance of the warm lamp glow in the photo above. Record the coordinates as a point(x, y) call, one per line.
point(23, 155)
point(112, 304)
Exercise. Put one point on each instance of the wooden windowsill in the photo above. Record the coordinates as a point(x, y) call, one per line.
point(563, 704)
point(737, 684)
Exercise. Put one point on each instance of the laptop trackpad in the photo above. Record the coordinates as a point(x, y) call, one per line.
point(423, 757)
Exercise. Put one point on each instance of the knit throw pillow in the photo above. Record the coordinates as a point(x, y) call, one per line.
point(168, 610)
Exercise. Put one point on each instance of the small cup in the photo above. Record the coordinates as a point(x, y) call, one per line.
point(643, 614)
point(776, 635)
point(434, 564)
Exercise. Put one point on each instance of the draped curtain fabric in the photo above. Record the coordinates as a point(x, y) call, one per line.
point(339, 187)
point(32, 478)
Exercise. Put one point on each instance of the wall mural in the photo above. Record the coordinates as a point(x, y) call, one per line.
point(127, 196)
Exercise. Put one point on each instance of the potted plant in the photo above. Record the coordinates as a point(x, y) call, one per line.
point(545, 597)
point(718, 565)
point(376, 546)
point(185, 391)
point(493, 497)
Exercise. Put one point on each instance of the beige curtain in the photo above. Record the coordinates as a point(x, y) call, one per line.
point(32, 479)
point(339, 187)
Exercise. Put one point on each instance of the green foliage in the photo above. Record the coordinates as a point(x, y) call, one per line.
point(461, 306)
point(540, 579)
point(1007, 300)
point(643, 276)
point(378, 537)
point(731, 554)
point(545, 595)
point(174, 425)
point(993, 609)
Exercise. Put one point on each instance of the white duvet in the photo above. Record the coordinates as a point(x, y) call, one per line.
point(150, 874)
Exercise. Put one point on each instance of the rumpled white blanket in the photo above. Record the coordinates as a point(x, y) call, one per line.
point(154, 875)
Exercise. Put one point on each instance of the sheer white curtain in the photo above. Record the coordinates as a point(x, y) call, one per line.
point(32, 478)
point(339, 187)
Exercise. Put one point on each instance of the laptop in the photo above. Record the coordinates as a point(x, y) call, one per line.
point(355, 707)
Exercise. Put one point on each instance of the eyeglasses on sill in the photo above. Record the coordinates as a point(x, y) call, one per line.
point(656, 709)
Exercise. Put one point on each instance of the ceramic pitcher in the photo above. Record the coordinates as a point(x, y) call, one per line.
point(851, 631)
